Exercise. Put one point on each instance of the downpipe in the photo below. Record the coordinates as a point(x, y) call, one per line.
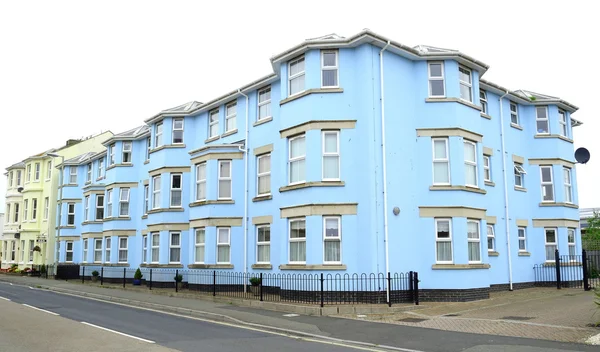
point(506, 212)
point(245, 150)
point(383, 160)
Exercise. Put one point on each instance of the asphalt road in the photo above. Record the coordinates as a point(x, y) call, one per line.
point(27, 328)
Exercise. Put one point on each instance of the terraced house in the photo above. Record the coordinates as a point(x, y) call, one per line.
point(356, 155)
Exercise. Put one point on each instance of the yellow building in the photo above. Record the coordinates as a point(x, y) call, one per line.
point(31, 203)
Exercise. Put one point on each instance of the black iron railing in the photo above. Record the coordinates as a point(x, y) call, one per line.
point(569, 271)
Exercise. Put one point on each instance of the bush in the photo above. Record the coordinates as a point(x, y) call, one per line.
point(255, 281)
point(178, 278)
point(43, 269)
point(138, 274)
point(95, 273)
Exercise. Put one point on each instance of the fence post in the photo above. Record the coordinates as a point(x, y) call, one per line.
point(322, 282)
point(102, 276)
point(411, 286)
point(83, 275)
point(124, 275)
point(260, 288)
point(176, 282)
point(214, 282)
point(557, 265)
point(150, 278)
point(416, 286)
point(586, 284)
point(389, 289)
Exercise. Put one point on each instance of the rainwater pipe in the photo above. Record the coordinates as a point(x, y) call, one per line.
point(385, 209)
point(506, 220)
point(245, 150)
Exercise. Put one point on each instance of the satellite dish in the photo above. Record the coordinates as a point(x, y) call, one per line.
point(582, 155)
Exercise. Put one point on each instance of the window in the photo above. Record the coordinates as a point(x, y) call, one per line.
point(109, 203)
point(126, 152)
point(470, 163)
point(571, 242)
point(111, 154)
point(177, 131)
point(547, 185)
point(562, 120)
point(86, 209)
point(18, 177)
point(200, 244)
point(263, 244)
point(124, 202)
point(73, 175)
point(487, 168)
point(296, 76)
point(99, 207)
point(25, 209)
point(568, 187)
point(483, 101)
point(145, 249)
point(176, 190)
point(155, 247)
point(175, 248)
point(22, 252)
point(550, 244)
point(264, 103)
point(332, 240)
point(70, 214)
point(298, 241)
point(213, 123)
point(8, 213)
point(10, 179)
point(31, 246)
point(230, 115)
point(49, 170)
point(158, 132)
point(466, 87)
point(329, 69)
point(473, 240)
point(146, 199)
point(148, 148)
point(13, 250)
point(122, 249)
point(34, 209)
point(519, 172)
point(514, 113)
point(88, 175)
point(97, 250)
point(443, 241)
point(441, 162)
point(297, 160)
point(16, 212)
point(46, 207)
point(541, 120)
point(100, 168)
point(223, 245)
point(224, 179)
point(37, 172)
point(264, 174)
point(107, 250)
point(201, 181)
point(522, 235)
point(156, 192)
point(436, 79)
point(28, 173)
point(331, 156)
point(69, 252)
point(85, 250)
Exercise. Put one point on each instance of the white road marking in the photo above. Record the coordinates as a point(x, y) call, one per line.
point(10, 284)
point(291, 315)
point(41, 310)
point(361, 316)
point(6, 299)
point(594, 340)
point(117, 332)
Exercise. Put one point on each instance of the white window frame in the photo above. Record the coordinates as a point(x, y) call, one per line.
point(330, 68)
point(46, 208)
point(449, 239)
point(34, 209)
point(296, 159)
point(7, 215)
point(199, 245)
point(487, 168)
point(85, 249)
point(295, 76)
point(441, 160)
point(49, 171)
point(474, 240)
point(514, 113)
point(88, 176)
point(544, 183)
point(472, 163)
point(568, 185)
point(538, 119)
point(225, 178)
point(213, 123)
point(550, 244)
point(296, 240)
point(127, 148)
point(30, 250)
point(326, 155)
point(175, 190)
point(69, 251)
point(148, 148)
point(483, 101)
point(491, 235)
point(100, 168)
point(26, 210)
point(123, 249)
point(86, 208)
point(70, 213)
point(469, 85)
point(99, 205)
point(107, 249)
point(230, 116)
point(28, 179)
point(519, 171)
point(177, 129)
point(260, 243)
point(266, 102)
point(338, 238)
point(155, 247)
point(111, 154)
point(10, 179)
point(156, 181)
point(124, 201)
point(158, 134)
point(572, 245)
point(263, 174)
point(73, 175)
point(19, 177)
point(144, 249)
point(562, 120)
point(522, 230)
point(146, 199)
point(174, 247)
point(200, 182)
point(441, 78)
point(224, 244)
point(109, 204)
point(36, 172)
point(98, 250)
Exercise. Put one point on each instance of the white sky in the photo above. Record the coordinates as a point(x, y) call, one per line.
point(69, 69)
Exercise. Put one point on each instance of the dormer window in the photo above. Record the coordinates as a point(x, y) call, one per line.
point(296, 75)
point(329, 69)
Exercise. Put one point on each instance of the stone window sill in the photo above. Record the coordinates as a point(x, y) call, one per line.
point(146, 162)
point(520, 189)
point(172, 266)
point(493, 254)
point(212, 139)
point(489, 183)
point(144, 217)
point(312, 184)
point(229, 133)
point(312, 267)
point(262, 266)
point(166, 210)
point(262, 121)
point(117, 219)
point(311, 91)
point(459, 266)
point(457, 188)
point(119, 165)
point(165, 146)
point(210, 266)
point(556, 204)
point(92, 222)
point(485, 116)
point(516, 126)
point(262, 198)
point(453, 100)
point(558, 136)
point(524, 254)
point(208, 202)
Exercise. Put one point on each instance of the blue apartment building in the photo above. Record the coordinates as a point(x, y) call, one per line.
point(356, 155)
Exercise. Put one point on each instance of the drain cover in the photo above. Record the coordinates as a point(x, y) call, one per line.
point(516, 318)
point(412, 320)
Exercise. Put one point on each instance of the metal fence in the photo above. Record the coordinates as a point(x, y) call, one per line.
point(569, 271)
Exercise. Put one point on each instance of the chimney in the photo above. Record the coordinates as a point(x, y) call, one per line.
point(71, 142)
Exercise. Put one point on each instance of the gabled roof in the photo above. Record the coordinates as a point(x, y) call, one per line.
point(81, 159)
point(129, 135)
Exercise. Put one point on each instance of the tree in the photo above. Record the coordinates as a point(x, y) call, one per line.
point(591, 239)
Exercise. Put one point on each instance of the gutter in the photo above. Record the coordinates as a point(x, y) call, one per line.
point(506, 220)
point(385, 209)
point(245, 150)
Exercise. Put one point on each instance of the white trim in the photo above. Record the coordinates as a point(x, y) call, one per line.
point(148, 148)
point(124, 200)
point(107, 249)
point(200, 181)
point(335, 154)
point(231, 116)
point(197, 245)
point(156, 197)
point(483, 102)
point(491, 236)
point(214, 112)
point(487, 168)
point(223, 244)
point(436, 78)
point(549, 244)
point(98, 250)
point(543, 183)
point(263, 243)
point(519, 171)
point(445, 160)
point(144, 249)
point(263, 174)
point(85, 250)
point(121, 249)
point(49, 171)
point(100, 168)
point(522, 229)
point(173, 189)
point(338, 238)
point(174, 246)
point(99, 205)
point(111, 154)
point(469, 84)
point(146, 199)
point(449, 239)
point(263, 103)
point(296, 76)
point(34, 205)
point(296, 159)
point(88, 175)
point(86, 208)
point(514, 112)
point(127, 148)
point(37, 170)
point(471, 162)
point(543, 119)
point(175, 129)
point(73, 175)
point(474, 240)
point(71, 251)
point(225, 178)
point(158, 134)
point(568, 185)
point(153, 247)
point(572, 244)
point(562, 120)
point(70, 213)
point(330, 68)
point(297, 239)
point(109, 204)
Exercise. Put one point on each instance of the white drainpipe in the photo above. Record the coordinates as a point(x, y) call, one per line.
point(245, 192)
point(385, 210)
point(506, 220)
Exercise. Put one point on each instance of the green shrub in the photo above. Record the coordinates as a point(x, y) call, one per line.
point(178, 278)
point(255, 281)
point(138, 274)
point(95, 273)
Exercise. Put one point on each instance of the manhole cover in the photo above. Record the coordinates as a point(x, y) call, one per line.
point(516, 318)
point(412, 320)
point(452, 315)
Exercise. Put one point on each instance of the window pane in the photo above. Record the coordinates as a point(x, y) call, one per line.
point(155, 240)
point(332, 251)
point(541, 112)
point(201, 172)
point(264, 95)
point(264, 164)
point(224, 188)
point(174, 239)
point(331, 228)
point(264, 111)
point(435, 70)
point(176, 181)
point(465, 92)
point(471, 174)
point(437, 87)
point(264, 253)
point(297, 85)
point(550, 236)
point(223, 236)
point(444, 251)
point(297, 171)
point(298, 251)
point(223, 254)
point(330, 143)
point(473, 230)
point(200, 254)
point(443, 229)
point(225, 169)
point(330, 78)
point(264, 184)
point(469, 152)
point(522, 245)
point(297, 66)
point(329, 59)
point(264, 234)
point(331, 167)
point(297, 147)
point(474, 252)
point(548, 192)
point(174, 254)
point(440, 173)
point(200, 236)
point(546, 174)
point(542, 126)
point(298, 229)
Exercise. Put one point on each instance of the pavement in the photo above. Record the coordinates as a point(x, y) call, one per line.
point(374, 331)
